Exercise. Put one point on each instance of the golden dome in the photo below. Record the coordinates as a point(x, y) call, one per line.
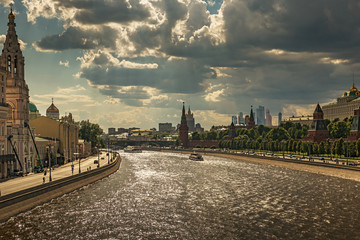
point(11, 15)
point(353, 88)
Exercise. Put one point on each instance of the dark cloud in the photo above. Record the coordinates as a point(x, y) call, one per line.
point(176, 76)
point(78, 38)
point(101, 11)
point(315, 26)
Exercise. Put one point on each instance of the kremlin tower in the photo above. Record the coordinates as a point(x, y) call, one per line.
point(184, 129)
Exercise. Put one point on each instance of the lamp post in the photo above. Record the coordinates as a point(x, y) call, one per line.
point(108, 152)
point(98, 157)
point(76, 156)
point(48, 150)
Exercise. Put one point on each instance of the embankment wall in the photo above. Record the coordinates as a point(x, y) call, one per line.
point(15, 203)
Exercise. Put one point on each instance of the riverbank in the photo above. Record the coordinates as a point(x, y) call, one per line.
point(326, 169)
point(20, 201)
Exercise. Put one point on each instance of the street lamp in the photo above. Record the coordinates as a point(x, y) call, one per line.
point(76, 155)
point(98, 157)
point(48, 150)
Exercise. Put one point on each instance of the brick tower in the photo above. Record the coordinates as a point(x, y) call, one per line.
point(183, 129)
point(318, 131)
point(355, 126)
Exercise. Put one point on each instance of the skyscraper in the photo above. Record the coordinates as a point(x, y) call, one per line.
point(260, 115)
point(268, 118)
point(234, 119)
point(280, 118)
point(190, 121)
point(241, 118)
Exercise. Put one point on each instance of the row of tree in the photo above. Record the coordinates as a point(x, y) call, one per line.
point(339, 147)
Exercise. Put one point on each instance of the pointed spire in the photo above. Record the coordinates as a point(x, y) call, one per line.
point(183, 116)
point(11, 14)
point(189, 111)
point(251, 113)
point(318, 109)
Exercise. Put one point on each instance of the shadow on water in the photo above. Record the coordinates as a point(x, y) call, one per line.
point(165, 195)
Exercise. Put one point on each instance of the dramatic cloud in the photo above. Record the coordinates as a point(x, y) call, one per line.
point(221, 56)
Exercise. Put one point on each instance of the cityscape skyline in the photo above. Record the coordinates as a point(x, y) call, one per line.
point(99, 67)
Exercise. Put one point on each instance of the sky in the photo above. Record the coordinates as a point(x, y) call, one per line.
point(131, 63)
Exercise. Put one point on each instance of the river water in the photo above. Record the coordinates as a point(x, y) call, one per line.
point(166, 196)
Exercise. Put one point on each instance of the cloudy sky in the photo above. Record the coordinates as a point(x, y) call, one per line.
point(125, 63)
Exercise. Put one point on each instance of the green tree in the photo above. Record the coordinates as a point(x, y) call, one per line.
point(339, 129)
point(321, 149)
point(278, 133)
point(195, 136)
point(91, 133)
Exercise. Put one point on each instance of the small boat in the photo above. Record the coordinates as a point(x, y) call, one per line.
point(196, 157)
point(132, 149)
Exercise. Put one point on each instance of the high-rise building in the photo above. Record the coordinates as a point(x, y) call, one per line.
point(234, 119)
point(241, 118)
point(260, 115)
point(190, 121)
point(268, 118)
point(279, 118)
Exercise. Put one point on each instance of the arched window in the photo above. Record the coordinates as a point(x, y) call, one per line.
point(15, 65)
point(9, 63)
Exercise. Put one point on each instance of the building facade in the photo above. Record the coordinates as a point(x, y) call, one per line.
point(190, 120)
point(65, 131)
point(268, 118)
point(279, 118)
point(260, 115)
point(17, 98)
point(344, 106)
point(166, 127)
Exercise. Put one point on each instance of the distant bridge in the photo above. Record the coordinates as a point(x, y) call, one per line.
point(158, 143)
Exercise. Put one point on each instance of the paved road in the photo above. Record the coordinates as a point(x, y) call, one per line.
point(31, 180)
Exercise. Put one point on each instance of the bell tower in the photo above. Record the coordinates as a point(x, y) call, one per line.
point(17, 93)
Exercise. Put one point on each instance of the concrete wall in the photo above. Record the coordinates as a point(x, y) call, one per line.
point(21, 201)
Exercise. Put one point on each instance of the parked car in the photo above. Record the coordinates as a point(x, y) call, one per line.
point(322, 158)
point(96, 162)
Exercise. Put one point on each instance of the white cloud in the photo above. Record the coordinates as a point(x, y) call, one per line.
point(214, 96)
point(65, 64)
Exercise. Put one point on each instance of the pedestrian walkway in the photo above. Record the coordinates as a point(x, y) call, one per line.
point(32, 180)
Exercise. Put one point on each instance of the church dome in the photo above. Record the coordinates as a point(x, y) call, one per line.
point(32, 108)
point(52, 108)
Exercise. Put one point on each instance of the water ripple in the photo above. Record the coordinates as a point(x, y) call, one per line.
point(166, 196)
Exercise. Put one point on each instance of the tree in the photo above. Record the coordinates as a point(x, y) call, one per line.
point(339, 129)
point(195, 136)
point(278, 133)
point(321, 149)
point(91, 133)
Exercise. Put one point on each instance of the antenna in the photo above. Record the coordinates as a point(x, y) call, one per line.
point(11, 5)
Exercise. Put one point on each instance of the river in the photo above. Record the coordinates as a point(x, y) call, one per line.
point(158, 195)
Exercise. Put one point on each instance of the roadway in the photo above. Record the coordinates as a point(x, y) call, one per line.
point(34, 179)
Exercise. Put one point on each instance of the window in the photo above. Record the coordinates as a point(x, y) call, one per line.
point(9, 63)
point(15, 64)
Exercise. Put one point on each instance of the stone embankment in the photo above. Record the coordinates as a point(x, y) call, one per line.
point(20, 201)
point(318, 167)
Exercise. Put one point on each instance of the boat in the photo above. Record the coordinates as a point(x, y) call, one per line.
point(132, 149)
point(196, 157)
